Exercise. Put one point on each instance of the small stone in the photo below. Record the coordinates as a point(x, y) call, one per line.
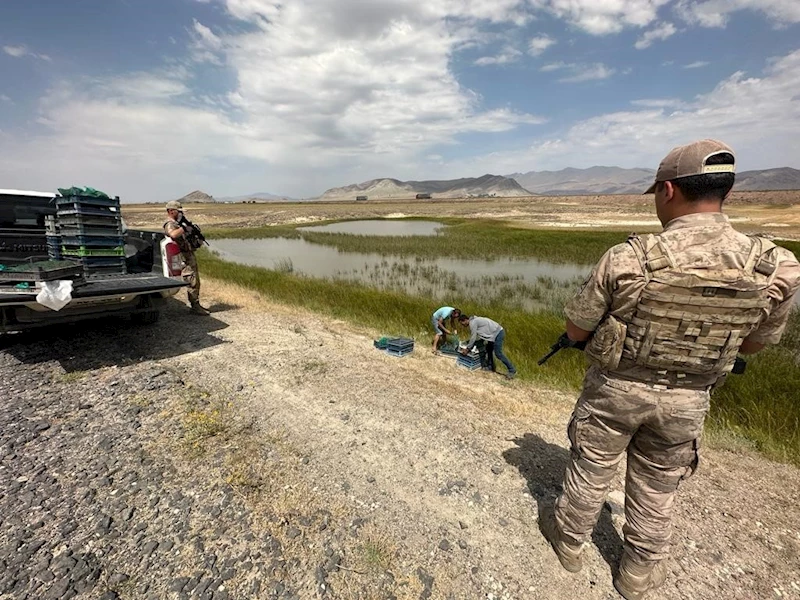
point(118, 578)
point(370, 479)
point(497, 469)
point(503, 522)
point(444, 545)
point(293, 533)
point(462, 525)
point(462, 544)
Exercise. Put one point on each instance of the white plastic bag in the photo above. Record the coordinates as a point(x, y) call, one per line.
point(55, 294)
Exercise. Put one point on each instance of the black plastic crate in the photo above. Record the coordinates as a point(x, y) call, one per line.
point(400, 343)
point(79, 220)
point(78, 231)
point(42, 271)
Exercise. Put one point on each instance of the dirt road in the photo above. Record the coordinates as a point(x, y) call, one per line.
point(310, 465)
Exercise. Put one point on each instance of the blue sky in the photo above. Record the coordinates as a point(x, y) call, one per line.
point(150, 99)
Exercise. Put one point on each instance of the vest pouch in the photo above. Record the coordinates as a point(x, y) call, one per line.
point(605, 346)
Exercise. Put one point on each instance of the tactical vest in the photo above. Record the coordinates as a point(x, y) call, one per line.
point(182, 242)
point(690, 319)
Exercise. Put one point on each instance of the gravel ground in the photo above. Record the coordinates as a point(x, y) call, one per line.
point(262, 453)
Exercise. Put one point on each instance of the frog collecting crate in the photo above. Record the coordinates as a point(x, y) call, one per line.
point(90, 229)
point(399, 346)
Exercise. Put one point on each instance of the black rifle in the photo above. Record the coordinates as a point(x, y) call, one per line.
point(739, 365)
point(194, 236)
point(562, 342)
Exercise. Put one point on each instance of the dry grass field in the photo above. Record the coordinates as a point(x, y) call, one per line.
point(776, 213)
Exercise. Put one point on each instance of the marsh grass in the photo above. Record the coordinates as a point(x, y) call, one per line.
point(428, 280)
point(485, 239)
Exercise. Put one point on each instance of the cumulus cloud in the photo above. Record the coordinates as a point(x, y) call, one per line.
point(314, 89)
point(662, 32)
point(601, 17)
point(715, 13)
point(758, 116)
point(539, 44)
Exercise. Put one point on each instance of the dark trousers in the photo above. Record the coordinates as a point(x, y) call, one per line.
point(495, 348)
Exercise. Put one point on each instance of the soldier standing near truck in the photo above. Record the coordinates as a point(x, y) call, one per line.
point(664, 317)
point(188, 240)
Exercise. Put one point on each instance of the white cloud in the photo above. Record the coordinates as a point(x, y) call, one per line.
point(662, 32)
point(698, 64)
point(580, 72)
point(539, 44)
point(206, 46)
point(22, 51)
point(508, 55)
point(758, 116)
point(600, 17)
point(4, 98)
point(658, 102)
point(316, 91)
point(714, 13)
point(554, 66)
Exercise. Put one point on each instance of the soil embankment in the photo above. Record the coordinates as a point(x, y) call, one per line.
point(264, 453)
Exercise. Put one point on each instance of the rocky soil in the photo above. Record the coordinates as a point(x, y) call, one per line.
point(266, 453)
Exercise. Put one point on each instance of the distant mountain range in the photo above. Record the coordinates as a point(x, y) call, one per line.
point(566, 182)
point(614, 180)
point(469, 187)
point(582, 182)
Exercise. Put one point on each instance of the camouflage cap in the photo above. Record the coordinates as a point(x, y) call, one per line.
point(688, 160)
point(174, 204)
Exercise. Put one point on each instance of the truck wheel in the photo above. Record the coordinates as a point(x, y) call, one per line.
point(146, 318)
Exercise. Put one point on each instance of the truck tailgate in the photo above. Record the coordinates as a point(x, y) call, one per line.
point(105, 286)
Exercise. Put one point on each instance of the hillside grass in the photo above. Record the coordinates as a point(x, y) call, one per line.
point(760, 406)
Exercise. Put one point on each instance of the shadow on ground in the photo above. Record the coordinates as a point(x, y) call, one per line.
point(115, 341)
point(542, 465)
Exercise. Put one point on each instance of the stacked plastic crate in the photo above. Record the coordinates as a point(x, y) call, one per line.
point(471, 361)
point(399, 346)
point(91, 233)
point(53, 238)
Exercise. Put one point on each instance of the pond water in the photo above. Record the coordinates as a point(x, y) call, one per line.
point(528, 284)
point(379, 227)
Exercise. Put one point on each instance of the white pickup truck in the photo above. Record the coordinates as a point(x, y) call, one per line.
point(153, 264)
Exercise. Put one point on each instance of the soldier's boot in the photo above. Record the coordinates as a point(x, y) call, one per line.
point(635, 580)
point(568, 553)
point(199, 310)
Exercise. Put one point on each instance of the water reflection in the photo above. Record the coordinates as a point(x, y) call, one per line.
point(380, 227)
point(526, 284)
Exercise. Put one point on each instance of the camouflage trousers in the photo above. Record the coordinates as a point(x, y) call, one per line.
point(191, 275)
point(659, 428)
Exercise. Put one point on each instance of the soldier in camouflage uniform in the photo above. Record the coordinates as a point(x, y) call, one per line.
point(190, 273)
point(665, 316)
